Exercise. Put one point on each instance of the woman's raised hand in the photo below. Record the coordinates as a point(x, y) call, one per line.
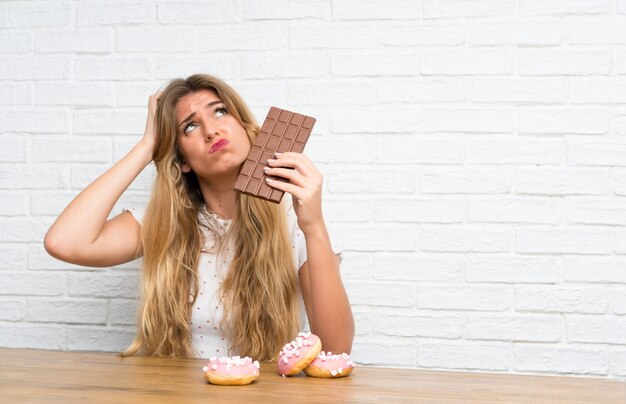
point(149, 136)
point(305, 187)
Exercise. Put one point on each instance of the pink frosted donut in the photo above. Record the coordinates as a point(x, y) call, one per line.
point(231, 371)
point(297, 354)
point(328, 365)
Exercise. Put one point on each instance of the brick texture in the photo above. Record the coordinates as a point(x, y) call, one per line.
point(472, 152)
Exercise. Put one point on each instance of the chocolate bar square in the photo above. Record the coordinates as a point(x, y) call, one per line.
point(282, 131)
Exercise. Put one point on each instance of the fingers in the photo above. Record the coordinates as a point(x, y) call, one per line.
point(149, 132)
point(295, 167)
point(292, 175)
point(294, 160)
point(299, 192)
point(305, 181)
point(153, 99)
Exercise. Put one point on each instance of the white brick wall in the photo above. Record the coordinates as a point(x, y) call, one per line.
point(473, 153)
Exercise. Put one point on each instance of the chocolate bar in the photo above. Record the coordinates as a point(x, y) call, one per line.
point(282, 131)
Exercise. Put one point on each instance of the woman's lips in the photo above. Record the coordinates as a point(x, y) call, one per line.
point(219, 145)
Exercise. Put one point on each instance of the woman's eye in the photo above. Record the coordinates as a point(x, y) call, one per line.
point(222, 110)
point(189, 127)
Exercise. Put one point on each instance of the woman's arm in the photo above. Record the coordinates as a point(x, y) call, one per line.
point(325, 298)
point(326, 301)
point(81, 234)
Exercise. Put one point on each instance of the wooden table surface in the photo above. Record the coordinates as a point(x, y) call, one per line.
point(54, 376)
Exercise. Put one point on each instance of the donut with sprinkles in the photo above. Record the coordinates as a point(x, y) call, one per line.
point(297, 354)
point(328, 365)
point(231, 371)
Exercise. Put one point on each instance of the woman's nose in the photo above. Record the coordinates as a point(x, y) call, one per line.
point(210, 134)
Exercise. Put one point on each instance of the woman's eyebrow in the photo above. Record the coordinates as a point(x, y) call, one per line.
point(193, 113)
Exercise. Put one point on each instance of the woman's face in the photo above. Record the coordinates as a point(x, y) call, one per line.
point(210, 140)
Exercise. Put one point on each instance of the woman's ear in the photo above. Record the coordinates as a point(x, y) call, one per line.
point(184, 167)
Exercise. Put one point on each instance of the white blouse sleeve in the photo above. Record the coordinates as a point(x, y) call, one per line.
point(297, 238)
point(137, 213)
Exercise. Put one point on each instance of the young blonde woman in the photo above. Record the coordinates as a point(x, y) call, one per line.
point(223, 273)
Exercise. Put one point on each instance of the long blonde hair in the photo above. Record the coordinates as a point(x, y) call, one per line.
point(260, 288)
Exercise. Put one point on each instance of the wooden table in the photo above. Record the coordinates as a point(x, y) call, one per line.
point(54, 376)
